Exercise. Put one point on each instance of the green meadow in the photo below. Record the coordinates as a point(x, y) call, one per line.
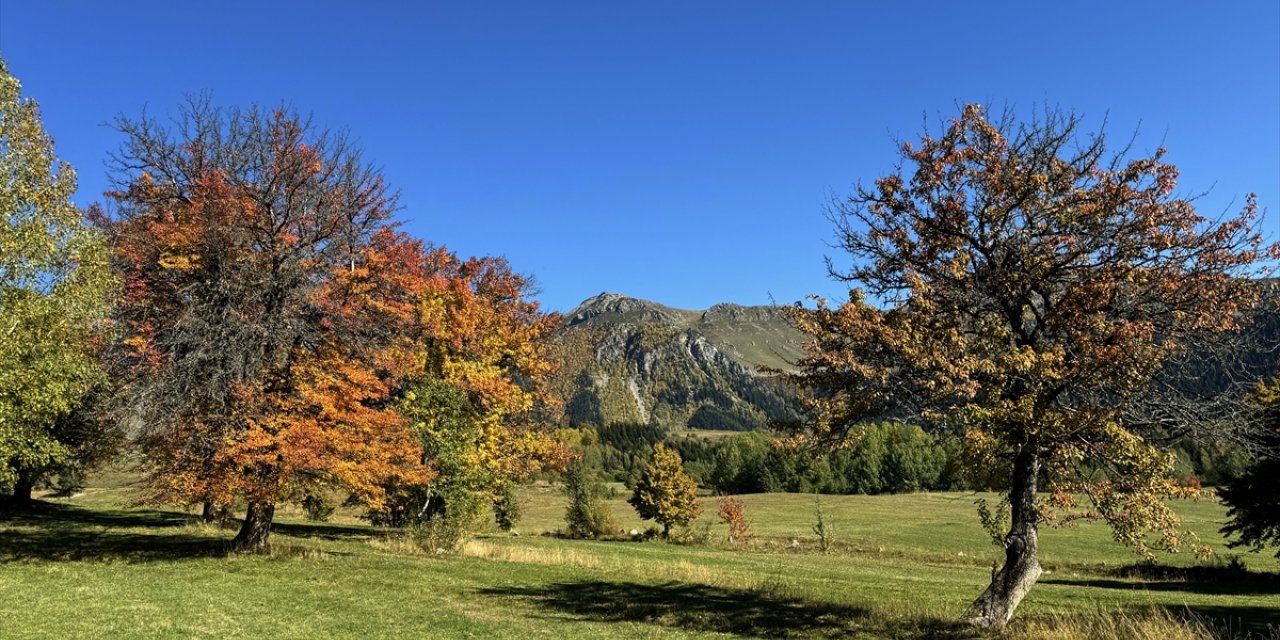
point(902, 566)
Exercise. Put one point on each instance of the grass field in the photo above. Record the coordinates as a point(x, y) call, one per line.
point(902, 566)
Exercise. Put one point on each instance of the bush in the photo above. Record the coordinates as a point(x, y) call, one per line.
point(318, 509)
point(69, 482)
point(447, 531)
point(820, 527)
point(699, 534)
point(732, 514)
point(506, 509)
point(588, 515)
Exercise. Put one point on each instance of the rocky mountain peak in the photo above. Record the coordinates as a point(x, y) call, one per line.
point(621, 308)
point(632, 360)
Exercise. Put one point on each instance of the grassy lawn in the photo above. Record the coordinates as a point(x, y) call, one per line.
point(903, 566)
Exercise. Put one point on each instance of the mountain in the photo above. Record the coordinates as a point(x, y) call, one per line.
point(631, 360)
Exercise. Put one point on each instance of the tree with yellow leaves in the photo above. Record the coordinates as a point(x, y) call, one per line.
point(480, 402)
point(665, 493)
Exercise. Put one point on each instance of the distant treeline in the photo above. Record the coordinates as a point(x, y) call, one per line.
point(887, 458)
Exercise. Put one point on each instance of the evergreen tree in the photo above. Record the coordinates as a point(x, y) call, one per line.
point(1253, 504)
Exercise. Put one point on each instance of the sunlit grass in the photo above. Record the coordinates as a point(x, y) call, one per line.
point(902, 566)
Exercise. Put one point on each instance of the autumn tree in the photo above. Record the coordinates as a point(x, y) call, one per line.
point(265, 300)
point(1025, 285)
point(55, 289)
point(665, 493)
point(480, 402)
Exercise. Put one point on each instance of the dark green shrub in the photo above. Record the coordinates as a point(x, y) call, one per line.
point(506, 509)
point(318, 508)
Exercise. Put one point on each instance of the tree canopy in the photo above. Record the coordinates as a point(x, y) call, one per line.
point(665, 493)
point(267, 312)
point(480, 403)
point(1021, 283)
point(56, 287)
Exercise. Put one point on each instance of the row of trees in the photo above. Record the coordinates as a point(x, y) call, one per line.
point(245, 312)
point(889, 457)
point(886, 458)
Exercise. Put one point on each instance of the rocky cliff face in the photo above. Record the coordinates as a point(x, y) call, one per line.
point(634, 360)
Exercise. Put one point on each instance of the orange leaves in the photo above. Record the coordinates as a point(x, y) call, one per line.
point(270, 310)
point(481, 402)
point(335, 424)
point(1021, 283)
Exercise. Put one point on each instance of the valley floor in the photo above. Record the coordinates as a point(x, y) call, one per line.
point(901, 566)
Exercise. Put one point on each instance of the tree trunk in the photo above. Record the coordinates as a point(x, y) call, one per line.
point(255, 529)
point(21, 498)
point(994, 608)
point(212, 513)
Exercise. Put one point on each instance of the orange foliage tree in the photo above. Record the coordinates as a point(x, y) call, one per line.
point(480, 404)
point(1029, 288)
point(268, 314)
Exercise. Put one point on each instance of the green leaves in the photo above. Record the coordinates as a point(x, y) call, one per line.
point(55, 290)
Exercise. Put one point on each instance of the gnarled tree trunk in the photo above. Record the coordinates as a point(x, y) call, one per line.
point(994, 608)
point(252, 537)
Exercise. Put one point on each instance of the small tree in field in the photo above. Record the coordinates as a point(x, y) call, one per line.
point(665, 493)
point(588, 515)
point(733, 513)
point(1028, 286)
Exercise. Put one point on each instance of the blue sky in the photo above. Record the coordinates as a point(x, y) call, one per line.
point(677, 151)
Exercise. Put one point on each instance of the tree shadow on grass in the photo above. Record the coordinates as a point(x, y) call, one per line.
point(1235, 621)
point(716, 609)
point(1220, 581)
point(323, 531)
point(63, 532)
point(51, 531)
point(1244, 588)
point(1231, 579)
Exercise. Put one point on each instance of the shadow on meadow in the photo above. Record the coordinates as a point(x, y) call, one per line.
point(1259, 584)
point(714, 609)
point(1225, 580)
point(1233, 621)
point(63, 532)
point(322, 531)
point(58, 532)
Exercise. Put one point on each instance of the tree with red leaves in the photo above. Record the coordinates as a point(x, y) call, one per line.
point(1020, 283)
point(267, 315)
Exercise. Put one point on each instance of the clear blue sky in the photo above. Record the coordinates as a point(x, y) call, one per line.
point(677, 151)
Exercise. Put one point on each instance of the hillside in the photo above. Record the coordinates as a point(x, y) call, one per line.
point(630, 360)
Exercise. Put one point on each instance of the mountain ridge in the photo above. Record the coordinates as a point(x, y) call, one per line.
point(633, 360)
